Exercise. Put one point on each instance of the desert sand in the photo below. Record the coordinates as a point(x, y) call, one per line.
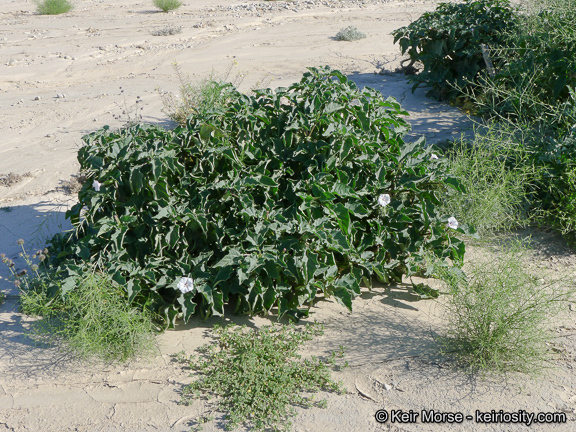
point(64, 76)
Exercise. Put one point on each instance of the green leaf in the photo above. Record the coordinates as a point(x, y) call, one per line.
point(208, 130)
point(455, 184)
point(136, 180)
point(333, 107)
point(343, 216)
point(310, 264)
point(133, 288)
point(425, 291)
point(344, 190)
point(68, 285)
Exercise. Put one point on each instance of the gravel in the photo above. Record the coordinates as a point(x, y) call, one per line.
point(295, 6)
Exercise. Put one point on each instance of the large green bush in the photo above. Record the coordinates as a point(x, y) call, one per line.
point(447, 42)
point(531, 89)
point(537, 69)
point(265, 202)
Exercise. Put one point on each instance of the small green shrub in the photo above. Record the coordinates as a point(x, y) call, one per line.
point(53, 7)
point(94, 320)
point(498, 313)
point(350, 33)
point(499, 177)
point(447, 42)
point(264, 202)
point(198, 98)
point(167, 5)
point(257, 376)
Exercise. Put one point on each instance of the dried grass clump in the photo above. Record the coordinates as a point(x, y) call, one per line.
point(10, 179)
point(167, 31)
point(350, 33)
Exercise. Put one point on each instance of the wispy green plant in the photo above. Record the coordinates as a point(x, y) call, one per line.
point(167, 5)
point(89, 313)
point(53, 7)
point(498, 175)
point(257, 375)
point(94, 320)
point(498, 313)
point(209, 93)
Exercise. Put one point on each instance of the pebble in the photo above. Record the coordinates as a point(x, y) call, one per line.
point(37, 98)
point(60, 96)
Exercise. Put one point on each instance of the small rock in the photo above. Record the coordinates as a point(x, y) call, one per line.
point(37, 98)
point(61, 96)
point(387, 386)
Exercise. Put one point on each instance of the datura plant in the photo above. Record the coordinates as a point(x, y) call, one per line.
point(266, 202)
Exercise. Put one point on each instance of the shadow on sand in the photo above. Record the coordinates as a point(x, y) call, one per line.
point(437, 121)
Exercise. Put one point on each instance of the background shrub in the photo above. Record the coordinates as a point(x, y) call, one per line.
point(198, 98)
point(531, 90)
point(558, 188)
point(53, 7)
point(536, 69)
point(447, 42)
point(167, 5)
point(350, 33)
point(264, 202)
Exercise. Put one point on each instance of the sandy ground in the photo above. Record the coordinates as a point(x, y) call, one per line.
point(61, 77)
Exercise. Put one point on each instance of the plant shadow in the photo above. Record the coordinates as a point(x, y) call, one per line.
point(20, 353)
